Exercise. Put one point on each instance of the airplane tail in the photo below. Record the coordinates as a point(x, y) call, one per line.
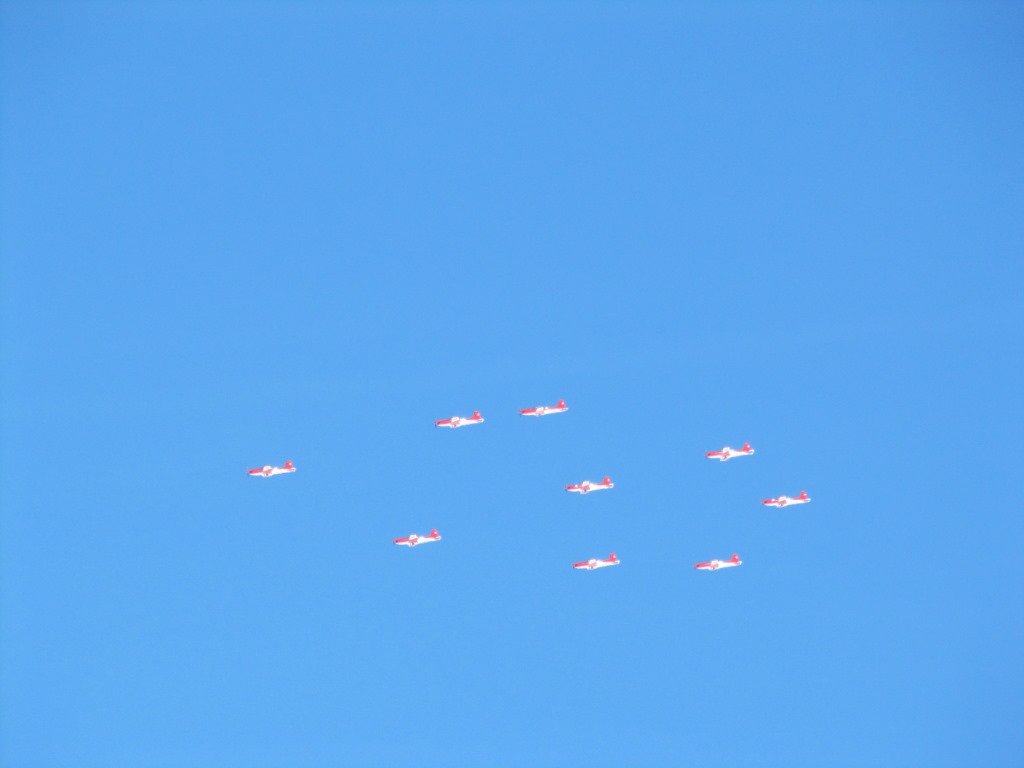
point(746, 446)
point(288, 464)
point(434, 532)
point(735, 558)
point(613, 558)
point(803, 494)
point(561, 403)
point(476, 414)
point(607, 479)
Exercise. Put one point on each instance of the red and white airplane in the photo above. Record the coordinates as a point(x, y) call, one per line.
point(414, 540)
point(460, 421)
point(269, 471)
point(714, 565)
point(544, 410)
point(730, 453)
point(586, 486)
point(785, 501)
point(593, 563)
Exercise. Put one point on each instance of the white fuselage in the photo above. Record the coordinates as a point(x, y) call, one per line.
point(271, 471)
point(714, 565)
point(545, 411)
point(458, 421)
point(586, 487)
point(786, 501)
point(593, 563)
point(414, 540)
point(730, 453)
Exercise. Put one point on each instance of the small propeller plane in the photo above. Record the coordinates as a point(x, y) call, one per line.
point(785, 501)
point(544, 410)
point(586, 486)
point(269, 471)
point(592, 563)
point(413, 540)
point(730, 453)
point(714, 565)
point(460, 421)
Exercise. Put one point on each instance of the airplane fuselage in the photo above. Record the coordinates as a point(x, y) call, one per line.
point(271, 471)
point(594, 563)
point(729, 453)
point(458, 421)
point(543, 411)
point(415, 541)
point(586, 487)
point(785, 501)
point(714, 565)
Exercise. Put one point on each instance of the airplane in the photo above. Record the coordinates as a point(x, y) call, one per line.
point(714, 565)
point(592, 563)
point(269, 471)
point(783, 501)
point(586, 486)
point(730, 453)
point(412, 540)
point(460, 421)
point(544, 410)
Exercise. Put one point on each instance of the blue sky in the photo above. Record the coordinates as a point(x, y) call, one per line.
point(235, 234)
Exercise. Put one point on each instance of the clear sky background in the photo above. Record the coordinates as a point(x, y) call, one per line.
point(234, 234)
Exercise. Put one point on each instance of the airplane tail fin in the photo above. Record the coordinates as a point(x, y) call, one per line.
point(433, 532)
point(746, 446)
point(613, 558)
point(735, 558)
point(288, 464)
point(607, 479)
point(803, 494)
point(476, 414)
point(561, 403)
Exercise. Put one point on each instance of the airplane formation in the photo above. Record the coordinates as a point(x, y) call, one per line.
point(582, 488)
